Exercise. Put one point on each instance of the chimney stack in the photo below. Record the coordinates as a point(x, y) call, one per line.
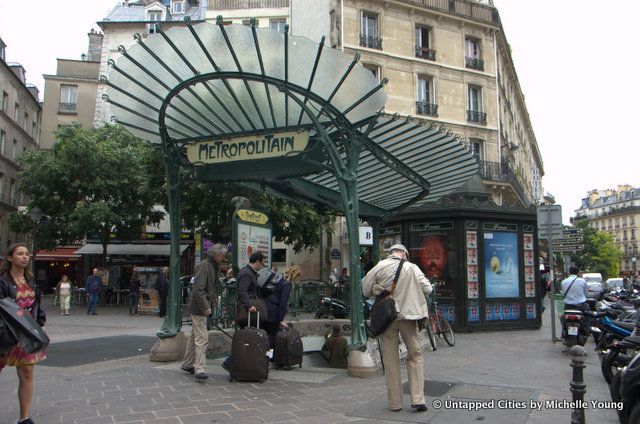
point(95, 46)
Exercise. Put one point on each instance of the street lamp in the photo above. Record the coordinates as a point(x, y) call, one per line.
point(35, 214)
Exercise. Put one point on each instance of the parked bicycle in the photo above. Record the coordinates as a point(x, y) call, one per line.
point(438, 326)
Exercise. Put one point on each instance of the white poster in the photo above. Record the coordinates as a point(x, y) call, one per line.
point(253, 239)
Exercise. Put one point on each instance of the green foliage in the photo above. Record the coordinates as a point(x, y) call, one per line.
point(93, 182)
point(600, 253)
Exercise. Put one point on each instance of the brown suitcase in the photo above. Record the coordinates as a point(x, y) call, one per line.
point(288, 349)
point(249, 360)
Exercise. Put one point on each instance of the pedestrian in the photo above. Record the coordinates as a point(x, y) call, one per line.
point(411, 304)
point(338, 347)
point(16, 283)
point(200, 306)
point(134, 293)
point(93, 292)
point(162, 286)
point(277, 302)
point(247, 291)
point(63, 291)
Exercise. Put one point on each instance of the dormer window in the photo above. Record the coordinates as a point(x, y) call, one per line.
point(153, 16)
point(178, 7)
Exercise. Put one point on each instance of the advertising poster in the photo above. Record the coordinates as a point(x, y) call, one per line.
point(529, 291)
point(515, 311)
point(385, 242)
point(531, 311)
point(472, 256)
point(449, 312)
point(472, 273)
point(501, 264)
point(474, 313)
point(253, 239)
point(528, 274)
point(472, 289)
point(472, 239)
point(434, 249)
point(528, 257)
point(527, 241)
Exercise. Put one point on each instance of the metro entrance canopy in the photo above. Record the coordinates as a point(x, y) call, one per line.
point(282, 114)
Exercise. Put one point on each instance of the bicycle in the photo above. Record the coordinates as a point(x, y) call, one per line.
point(437, 325)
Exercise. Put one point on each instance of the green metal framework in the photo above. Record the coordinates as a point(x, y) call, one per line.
point(204, 82)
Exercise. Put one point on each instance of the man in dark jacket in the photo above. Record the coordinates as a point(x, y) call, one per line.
point(162, 286)
point(200, 304)
point(247, 281)
point(93, 291)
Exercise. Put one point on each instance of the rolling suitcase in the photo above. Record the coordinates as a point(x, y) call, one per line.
point(249, 360)
point(288, 349)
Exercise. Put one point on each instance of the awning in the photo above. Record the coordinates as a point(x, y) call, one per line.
point(129, 249)
point(66, 254)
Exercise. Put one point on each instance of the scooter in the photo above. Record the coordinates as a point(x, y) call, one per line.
point(573, 328)
point(625, 388)
point(330, 308)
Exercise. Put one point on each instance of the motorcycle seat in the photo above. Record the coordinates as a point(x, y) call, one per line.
point(633, 339)
point(572, 312)
point(596, 314)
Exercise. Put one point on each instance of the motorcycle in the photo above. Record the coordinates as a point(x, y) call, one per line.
point(330, 308)
point(573, 328)
point(625, 388)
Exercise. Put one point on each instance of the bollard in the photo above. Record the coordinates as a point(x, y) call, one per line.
point(578, 387)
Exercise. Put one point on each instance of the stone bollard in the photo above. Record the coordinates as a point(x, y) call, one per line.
point(578, 388)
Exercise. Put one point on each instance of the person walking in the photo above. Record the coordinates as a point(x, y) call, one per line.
point(134, 293)
point(162, 286)
point(63, 290)
point(93, 292)
point(411, 304)
point(16, 283)
point(200, 305)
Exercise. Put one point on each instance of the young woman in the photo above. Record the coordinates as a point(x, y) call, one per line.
point(63, 290)
point(15, 283)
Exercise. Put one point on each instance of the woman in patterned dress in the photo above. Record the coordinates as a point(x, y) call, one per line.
point(15, 282)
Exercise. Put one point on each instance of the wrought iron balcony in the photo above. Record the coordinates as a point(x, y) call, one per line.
point(67, 107)
point(497, 171)
point(424, 108)
point(370, 42)
point(474, 63)
point(476, 116)
point(425, 53)
point(246, 4)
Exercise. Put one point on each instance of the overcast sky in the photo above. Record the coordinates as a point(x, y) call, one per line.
point(576, 61)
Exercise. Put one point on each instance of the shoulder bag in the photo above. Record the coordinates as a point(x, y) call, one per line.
point(383, 311)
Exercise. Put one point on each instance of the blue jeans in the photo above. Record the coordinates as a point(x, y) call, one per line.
point(92, 303)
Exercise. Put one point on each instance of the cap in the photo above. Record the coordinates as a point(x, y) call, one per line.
point(399, 247)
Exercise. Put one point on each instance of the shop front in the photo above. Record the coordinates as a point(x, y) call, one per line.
point(480, 257)
point(51, 265)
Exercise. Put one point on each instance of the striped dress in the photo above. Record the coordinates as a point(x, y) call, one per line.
point(25, 298)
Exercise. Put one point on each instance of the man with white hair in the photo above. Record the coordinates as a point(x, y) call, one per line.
point(411, 304)
point(200, 304)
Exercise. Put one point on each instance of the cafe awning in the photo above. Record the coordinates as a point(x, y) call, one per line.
point(130, 249)
point(65, 254)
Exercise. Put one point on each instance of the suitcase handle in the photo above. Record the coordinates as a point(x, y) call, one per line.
point(249, 318)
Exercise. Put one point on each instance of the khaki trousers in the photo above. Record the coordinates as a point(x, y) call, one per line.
point(390, 341)
point(195, 354)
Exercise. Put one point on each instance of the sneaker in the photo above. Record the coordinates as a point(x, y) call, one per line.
point(27, 420)
point(202, 376)
point(190, 370)
point(420, 408)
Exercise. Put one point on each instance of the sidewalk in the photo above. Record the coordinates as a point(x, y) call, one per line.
point(515, 366)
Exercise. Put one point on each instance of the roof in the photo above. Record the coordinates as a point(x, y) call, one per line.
point(135, 12)
point(209, 82)
point(129, 249)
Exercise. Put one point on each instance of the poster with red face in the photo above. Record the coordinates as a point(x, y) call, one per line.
point(434, 249)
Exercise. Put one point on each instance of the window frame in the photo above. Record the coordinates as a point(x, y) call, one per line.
point(72, 94)
point(5, 101)
point(176, 3)
point(151, 29)
point(477, 88)
point(277, 22)
point(373, 67)
point(423, 51)
point(3, 139)
point(477, 147)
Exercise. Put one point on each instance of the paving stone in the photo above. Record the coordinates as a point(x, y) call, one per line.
point(180, 412)
point(138, 416)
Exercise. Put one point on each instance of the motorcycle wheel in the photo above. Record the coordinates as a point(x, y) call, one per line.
point(570, 341)
point(324, 315)
point(608, 365)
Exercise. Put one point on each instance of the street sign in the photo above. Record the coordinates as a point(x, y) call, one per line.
point(550, 222)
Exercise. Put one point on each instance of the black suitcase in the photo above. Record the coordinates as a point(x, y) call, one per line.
point(249, 360)
point(288, 349)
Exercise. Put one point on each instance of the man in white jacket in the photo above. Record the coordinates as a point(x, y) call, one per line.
point(411, 304)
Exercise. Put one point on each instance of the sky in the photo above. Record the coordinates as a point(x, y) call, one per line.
point(575, 60)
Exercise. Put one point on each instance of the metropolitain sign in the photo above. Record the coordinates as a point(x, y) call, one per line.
point(248, 148)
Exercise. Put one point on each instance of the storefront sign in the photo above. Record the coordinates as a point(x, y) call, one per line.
point(253, 217)
point(431, 226)
point(265, 146)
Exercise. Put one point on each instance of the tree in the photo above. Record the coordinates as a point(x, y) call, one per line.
point(94, 182)
point(600, 253)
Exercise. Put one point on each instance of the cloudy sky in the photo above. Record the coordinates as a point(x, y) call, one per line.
point(575, 59)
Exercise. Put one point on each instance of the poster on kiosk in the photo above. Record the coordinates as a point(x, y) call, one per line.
point(251, 233)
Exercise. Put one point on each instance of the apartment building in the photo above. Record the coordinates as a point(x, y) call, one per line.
point(616, 211)
point(20, 120)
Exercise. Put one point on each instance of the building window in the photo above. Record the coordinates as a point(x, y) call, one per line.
point(68, 98)
point(633, 234)
point(178, 7)
point(423, 43)
point(425, 104)
point(277, 24)
point(26, 119)
point(624, 235)
point(16, 112)
point(5, 101)
point(14, 152)
point(474, 107)
point(369, 33)
point(153, 16)
point(375, 70)
point(33, 129)
point(3, 136)
point(477, 148)
point(12, 192)
point(473, 59)
point(1, 186)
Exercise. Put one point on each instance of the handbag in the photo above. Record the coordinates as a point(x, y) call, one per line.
point(383, 311)
point(26, 330)
point(7, 339)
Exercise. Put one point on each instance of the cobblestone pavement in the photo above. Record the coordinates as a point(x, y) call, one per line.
point(507, 365)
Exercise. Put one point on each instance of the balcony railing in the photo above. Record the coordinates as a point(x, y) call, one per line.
point(466, 8)
point(67, 107)
point(476, 116)
point(424, 108)
point(474, 63)
point(497, 171)
point(246, 4)
point(370, 42)
point(425, 53)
